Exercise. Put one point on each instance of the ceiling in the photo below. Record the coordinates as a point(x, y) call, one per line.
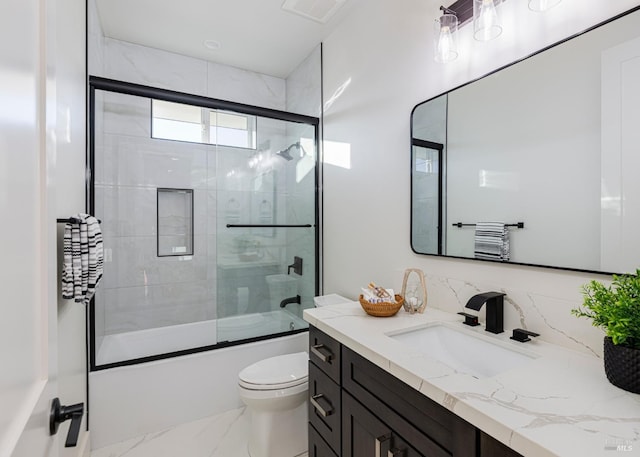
point(256, 35)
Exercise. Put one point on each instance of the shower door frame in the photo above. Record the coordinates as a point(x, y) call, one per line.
point(139, 90)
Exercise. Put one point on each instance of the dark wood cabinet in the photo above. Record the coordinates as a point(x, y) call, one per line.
point(366, 435)
point(357, 409)
point(430, 428)
point(325, 353)
point(324, 406)
point(490, 447)
point(317, 446)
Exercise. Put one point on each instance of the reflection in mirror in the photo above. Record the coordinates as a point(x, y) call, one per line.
point(550, 141)
point(427, 186)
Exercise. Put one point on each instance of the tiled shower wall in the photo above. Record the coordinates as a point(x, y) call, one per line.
point(143, 288)
point(140, 288)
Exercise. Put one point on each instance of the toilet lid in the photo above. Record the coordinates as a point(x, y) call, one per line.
point(276, 372)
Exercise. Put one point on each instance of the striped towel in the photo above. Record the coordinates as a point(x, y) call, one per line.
point(82, 258)
point(492, 241)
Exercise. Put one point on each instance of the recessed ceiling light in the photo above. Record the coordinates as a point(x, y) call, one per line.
point(212, 44)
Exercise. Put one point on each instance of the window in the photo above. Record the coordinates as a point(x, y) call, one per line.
point(181, 122)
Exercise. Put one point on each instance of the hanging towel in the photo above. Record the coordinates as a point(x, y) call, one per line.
point(492, 241)
point(82, 258)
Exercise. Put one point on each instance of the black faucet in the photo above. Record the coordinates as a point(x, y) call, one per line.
point(495, 309)
point(287, 301)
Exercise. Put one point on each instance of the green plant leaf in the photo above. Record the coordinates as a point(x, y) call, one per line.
point(615, 308)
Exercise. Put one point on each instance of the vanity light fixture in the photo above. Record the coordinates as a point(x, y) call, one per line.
point(461, 12)
point(445, 28)
point(542, 5)
point(486, 25)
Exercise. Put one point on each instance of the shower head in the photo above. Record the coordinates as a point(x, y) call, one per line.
point(285, 152)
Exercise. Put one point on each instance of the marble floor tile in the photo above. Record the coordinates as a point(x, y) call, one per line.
point(224, 435)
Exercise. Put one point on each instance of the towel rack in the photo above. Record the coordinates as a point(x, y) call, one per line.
point(460, 225)
point(269, 225)
point(71, 220)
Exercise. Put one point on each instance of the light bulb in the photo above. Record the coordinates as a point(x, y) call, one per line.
point(486, 25)
point(445, 45)
point(445, 48)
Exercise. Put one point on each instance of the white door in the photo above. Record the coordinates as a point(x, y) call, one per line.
point(620, 158)
point(28, 323)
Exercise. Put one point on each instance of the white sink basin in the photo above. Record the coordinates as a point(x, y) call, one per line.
point(464, 351)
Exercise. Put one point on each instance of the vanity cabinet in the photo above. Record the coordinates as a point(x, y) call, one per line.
point(410, 417)
point(325, 404)
point(356, 409)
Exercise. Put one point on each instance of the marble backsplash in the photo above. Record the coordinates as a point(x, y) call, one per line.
point(549, 316)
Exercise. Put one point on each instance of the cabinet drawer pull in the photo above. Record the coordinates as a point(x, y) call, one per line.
point(396, 453)
point(383, 441)
point(322, 352)
point(315, 401)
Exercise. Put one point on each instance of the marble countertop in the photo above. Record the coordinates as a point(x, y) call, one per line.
point(559, 404)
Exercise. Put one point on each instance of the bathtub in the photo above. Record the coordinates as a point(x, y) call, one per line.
point(162, 340)
point(130, 401)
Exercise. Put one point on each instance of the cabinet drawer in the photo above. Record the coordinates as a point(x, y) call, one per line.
point(380, 392)
point(365, 435)
point(324, 406)
point(324, 351)
point(317, 446)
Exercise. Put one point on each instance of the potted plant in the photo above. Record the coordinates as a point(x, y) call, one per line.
point(616, 308)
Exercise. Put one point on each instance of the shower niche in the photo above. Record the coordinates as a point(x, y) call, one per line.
point(204, 204)
point(175, 222)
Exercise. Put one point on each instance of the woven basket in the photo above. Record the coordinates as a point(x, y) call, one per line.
point(383, 309)
point(622, 366)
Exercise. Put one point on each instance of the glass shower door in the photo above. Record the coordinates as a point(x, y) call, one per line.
point(266, 231)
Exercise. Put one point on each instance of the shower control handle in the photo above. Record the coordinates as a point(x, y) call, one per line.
point(296, 266)
point(315, 401)
point(322, 352)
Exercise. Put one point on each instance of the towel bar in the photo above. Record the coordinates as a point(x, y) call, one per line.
point(71, 220)
point(460, 225)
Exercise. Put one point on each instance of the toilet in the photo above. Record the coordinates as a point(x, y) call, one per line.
point(275, 391)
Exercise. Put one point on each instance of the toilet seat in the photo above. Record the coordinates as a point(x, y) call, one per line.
point(276, 373)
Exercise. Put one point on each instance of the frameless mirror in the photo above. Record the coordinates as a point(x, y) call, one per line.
point(549, 147)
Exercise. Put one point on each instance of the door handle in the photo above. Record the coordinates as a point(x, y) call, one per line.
point(315, 401)
point(322, 352)
point(383, 443)
point(60, 414)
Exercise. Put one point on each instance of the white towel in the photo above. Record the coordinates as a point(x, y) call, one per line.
point(82, 258)
point(492, 241)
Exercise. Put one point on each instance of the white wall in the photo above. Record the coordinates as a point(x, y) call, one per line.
point(166, 70)
point(70, 185)
point(377, 66)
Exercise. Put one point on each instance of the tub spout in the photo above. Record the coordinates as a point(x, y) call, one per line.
point(287, 301)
